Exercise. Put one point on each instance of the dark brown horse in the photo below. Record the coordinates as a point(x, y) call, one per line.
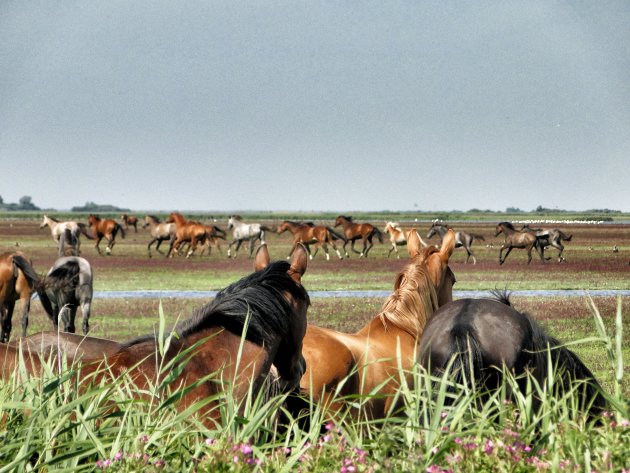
point(549, 237)
point(307, 234)
point(462, 239)
point(190, 232)
point(358, 231)
point(231, 342)
point(18, 281)
point(105, 228)
point(130, 221)
point(516, 239)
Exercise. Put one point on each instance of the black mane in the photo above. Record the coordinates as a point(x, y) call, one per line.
point(508, 225)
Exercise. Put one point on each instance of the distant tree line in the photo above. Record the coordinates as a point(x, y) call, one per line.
point(92, 207)
point(25, 203)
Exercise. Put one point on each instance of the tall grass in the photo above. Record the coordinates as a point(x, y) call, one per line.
point(59, 421)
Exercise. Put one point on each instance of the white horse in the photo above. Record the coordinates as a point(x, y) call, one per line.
point(66, 233)
point(398, 237)
point(242, 231)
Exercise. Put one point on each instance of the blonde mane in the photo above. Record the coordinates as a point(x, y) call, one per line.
point(413, 301)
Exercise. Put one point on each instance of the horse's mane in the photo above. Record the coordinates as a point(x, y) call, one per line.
point(507, 224)
point(414, 298)
point(154, 218)
point(52, 218)
point(348, 218)
point(258, 296)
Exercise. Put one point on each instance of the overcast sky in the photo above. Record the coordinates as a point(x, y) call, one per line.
point(162, 105)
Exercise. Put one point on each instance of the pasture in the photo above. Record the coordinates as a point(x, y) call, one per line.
point(591, 263)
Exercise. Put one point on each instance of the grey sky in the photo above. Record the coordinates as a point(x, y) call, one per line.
point(316, 105)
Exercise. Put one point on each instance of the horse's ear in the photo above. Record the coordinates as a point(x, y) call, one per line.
point(448, 245)
point(422, 242)
point(298, 262)
point(413, 243)
point(262, 258)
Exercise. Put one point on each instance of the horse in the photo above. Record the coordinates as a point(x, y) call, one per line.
point(516, 239)
point(67, 286)
point(130, 220)
point(354, 231)
point(70, 345)
point(307, 234)
point(18, 281)
point(549, 237)
point(212, 240)
point(66, 233)
point(105, 228)
point(481, 337)
point(368, 361)
point(191, 232)
point(398, 237)
point(462, 239)
point(160, 231)
point(242, 231)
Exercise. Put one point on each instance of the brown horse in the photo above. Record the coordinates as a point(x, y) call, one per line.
point(355, 231)
point(18, 281)
point(130, 221)
point(191, 232)
point(368, 362)
point(233, 340)
point(516, 239)
point(71, 345)
point(462, 239)
point(549, 237)
point(398, 237)
point(317, 235)
point(105, 228)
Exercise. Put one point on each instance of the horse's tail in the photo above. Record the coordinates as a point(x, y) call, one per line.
point(564, 236)
point(20, 262)
point(219, 231)
point(121, 229)
point(467, 356)
point(85, 230)
point(478, 236)
point(378, 234)
point(335, 235)
point(268, 229)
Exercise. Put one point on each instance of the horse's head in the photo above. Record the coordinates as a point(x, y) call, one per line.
point(92, 219)
point(432, 231)
point(500, 228)
point(389, 226)
point(284, 226)
point(44, 222)
point(436, 261)
point(289, 360)
point(341, 220)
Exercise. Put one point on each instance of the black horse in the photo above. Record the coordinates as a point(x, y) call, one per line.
point(481, 336)
point(67, 286)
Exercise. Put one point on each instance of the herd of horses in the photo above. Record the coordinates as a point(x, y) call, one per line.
point(186, 236)
point(254, 334)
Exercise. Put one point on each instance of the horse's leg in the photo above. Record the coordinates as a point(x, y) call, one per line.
point(509, 249)
point(344, 249)
point(367, 246)
point(332, 242)
point(238, 245)
point(252, 244)
point(353, 249)
point(26, 307)
point(558, 244)
point(111, 241)
point(70, 312)
point(98, 241)
point(150, 243)
point(324, 247)
point(470, 253)
point(6, 313)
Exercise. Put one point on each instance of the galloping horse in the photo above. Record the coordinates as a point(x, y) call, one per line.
point(398, 237)
point(516, 239)
point(191, 232)
point(67, 286)
point(130, 220)
point(318, 235)
point(18, 281)
point(483, 336)
point(107, 229)
point(354, 231)
point(549, 237)
point(242, 231)
point(369, 360)
point(160, 231)
point(462, 239)
point(66, 233)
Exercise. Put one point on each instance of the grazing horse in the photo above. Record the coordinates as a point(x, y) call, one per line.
point(67, 286)
point(354, 231)
point(549, 237)
point(462, 239)
point(398, 237)
point(190, 232)
point(242, 231)
point(130, 220)
point(368, 362)
point(18, 281)
point(516, 239)
point(483, 336)
point(318, 235)
point(70, 345)
point(105, 228)
point(66, 233)
point(160, 231)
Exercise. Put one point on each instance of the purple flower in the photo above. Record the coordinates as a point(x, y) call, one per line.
point(329, 426)
point(118, 456)
point(210, 441)
point(246, 449)
point(488, 447)
point(143, 438)
point(434, 469)
point(159, 463)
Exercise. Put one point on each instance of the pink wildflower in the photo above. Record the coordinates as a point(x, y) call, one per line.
point(488, 447)
point(209, 441)
point(159, 463)
point(434, 469)
point(329, 426)
point(118, 456)
point(246, 449)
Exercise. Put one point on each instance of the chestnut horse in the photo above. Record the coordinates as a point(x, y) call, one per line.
point(398, 237)
point(160, 231)
point(368, 362)
point(191, 232)
point(255, 322)
point(66, 233)
point(18, 281)
point(318, 235)
point(516, 239)
point(462, 239)
point(105, 228)
point(130, 220)
point(355, 231)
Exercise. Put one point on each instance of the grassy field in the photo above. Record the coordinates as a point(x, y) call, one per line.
point(591, 264)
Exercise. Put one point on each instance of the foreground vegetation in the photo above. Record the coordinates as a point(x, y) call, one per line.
point(49, 424)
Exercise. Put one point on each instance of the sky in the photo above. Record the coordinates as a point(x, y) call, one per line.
point(316, 105)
